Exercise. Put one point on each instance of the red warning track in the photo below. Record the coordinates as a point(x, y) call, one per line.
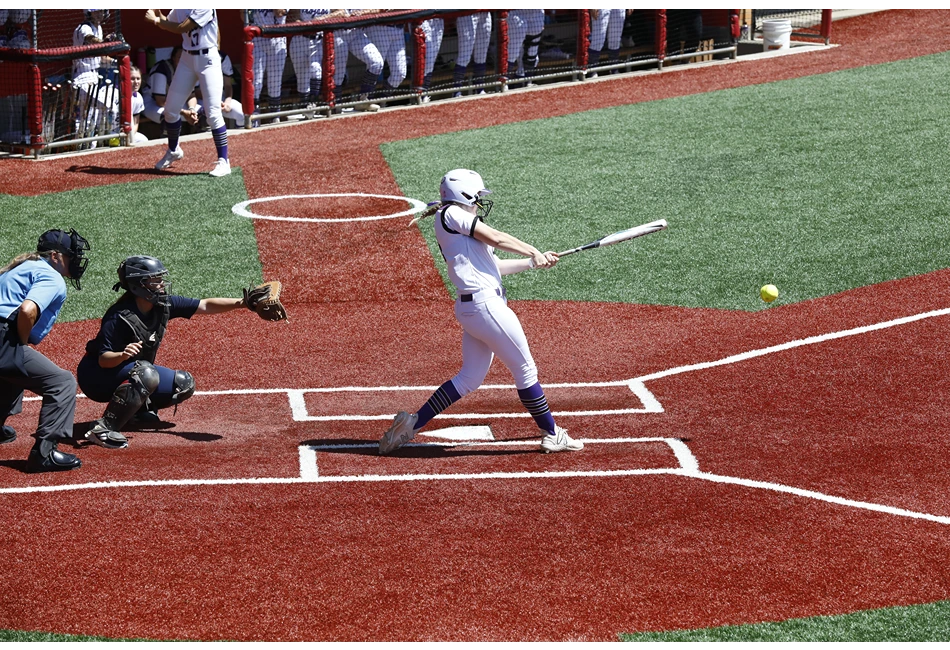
point(428, 545)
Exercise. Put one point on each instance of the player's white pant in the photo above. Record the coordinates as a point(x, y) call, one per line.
point(474, 37)
point(153, 111)
point(490, 328)
point(433, 29)
point(341, 51)
point(270, 54)
point(307, 56)
point(608, 26)
point(359, 45)
point(205, 70)
point(391, 43)
point(522, 22)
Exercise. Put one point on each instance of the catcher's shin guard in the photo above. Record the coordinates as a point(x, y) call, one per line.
point(184, 386)
point(130, 395)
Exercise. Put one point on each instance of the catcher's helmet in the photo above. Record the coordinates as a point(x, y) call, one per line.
point(145, 277)
point(71, 244)
point(465, 187)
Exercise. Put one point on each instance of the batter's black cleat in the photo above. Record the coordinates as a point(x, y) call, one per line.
point(57, 461)
point(8, 434)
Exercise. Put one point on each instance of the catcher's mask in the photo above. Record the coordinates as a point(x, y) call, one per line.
point(145, 277)
point(466, 187)
point(72, 245)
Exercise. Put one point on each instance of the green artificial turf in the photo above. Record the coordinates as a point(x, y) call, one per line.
point(185, 221)
point(817, 185)
point(930, 622)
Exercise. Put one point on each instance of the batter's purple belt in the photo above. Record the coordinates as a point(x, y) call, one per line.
point(200, 52)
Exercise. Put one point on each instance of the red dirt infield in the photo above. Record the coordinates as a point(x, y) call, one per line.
point(820, 484)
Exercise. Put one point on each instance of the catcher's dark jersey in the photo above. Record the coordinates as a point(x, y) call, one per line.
point(115, 332)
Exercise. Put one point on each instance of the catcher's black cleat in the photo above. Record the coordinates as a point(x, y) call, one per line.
point(101, 435)
point(57, 461)
point(8, 434)
point(146, 420)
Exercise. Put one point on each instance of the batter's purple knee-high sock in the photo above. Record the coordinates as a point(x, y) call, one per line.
point(444, 396)
point(220, 136)
point(537, 404)
point(174, 132)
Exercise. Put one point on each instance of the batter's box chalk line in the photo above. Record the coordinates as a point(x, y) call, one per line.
point(688, 465)
point(298, 404)
point(242, 209)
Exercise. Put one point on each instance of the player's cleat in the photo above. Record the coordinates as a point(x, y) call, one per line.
point(57, 461)
point(100, 435)
point(146, 420)
point(170, 157)
point(7, 434)
point(399, 433)
point(559, 441)
point(221, 168)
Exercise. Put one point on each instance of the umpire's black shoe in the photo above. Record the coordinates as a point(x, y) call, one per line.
point(8, 434)
point(57, 461)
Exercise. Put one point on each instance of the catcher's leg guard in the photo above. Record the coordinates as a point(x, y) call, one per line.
point(128, 398)
point(184, 386)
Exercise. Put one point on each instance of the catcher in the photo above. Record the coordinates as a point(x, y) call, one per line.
point(119, 365)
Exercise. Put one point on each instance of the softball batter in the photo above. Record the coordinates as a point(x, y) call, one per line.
point(490, 326)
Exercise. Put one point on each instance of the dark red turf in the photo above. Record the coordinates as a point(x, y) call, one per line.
point(580, 558)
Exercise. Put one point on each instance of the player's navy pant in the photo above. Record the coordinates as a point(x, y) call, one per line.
point(99, 384)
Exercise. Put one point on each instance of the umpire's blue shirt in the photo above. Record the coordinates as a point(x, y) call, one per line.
point(35, 280)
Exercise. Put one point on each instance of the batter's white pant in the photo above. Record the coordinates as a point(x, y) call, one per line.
point(607, 26)
point(490, 328)
point(307, 56)
point(205, 70)
point(474, 37)
point(270, 54)
point(391, 43)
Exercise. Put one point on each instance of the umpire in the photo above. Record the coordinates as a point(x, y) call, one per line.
point(32, 292)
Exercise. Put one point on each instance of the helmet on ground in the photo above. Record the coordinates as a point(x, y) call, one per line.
point(145, 277)
point(71, 244)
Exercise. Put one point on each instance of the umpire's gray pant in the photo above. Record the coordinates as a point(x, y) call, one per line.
point(55, 385)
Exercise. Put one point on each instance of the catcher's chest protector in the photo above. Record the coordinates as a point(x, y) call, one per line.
point(150, 336)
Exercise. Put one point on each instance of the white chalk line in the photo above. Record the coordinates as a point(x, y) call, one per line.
point(309, 474)
point(689, 468)
point(241, 209)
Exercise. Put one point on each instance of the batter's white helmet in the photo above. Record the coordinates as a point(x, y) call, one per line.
point(462, 186)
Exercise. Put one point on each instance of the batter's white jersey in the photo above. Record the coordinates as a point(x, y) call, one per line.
point(489, 326)
point(203, 38)
point(472, 264)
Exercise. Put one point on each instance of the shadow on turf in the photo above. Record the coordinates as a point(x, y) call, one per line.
point(80, 429)
point(97, 170)
point(412, 450)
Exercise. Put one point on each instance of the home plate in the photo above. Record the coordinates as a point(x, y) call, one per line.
point(461, 434)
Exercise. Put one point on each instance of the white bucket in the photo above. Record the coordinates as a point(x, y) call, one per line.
point(776, 34)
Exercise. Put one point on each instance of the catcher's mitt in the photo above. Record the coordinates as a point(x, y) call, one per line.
point(264, 300)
